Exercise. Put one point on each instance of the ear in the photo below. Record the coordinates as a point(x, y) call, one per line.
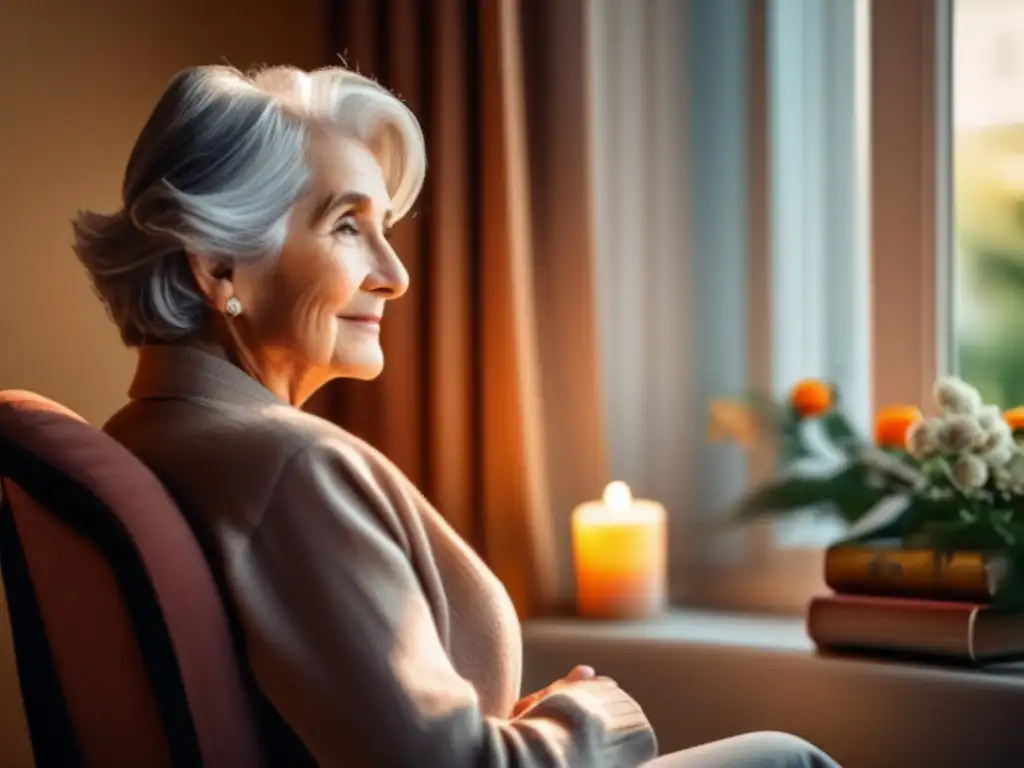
point(215, 279)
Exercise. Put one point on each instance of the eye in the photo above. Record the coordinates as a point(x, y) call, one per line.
point(346, 225)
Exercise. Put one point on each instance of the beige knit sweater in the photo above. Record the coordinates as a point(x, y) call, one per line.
point(378, 636)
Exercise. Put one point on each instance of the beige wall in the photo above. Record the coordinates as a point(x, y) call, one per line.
point(77, 81)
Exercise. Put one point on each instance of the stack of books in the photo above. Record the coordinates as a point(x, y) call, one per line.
point(897, 602)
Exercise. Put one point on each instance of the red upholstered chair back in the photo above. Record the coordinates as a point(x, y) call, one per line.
point(123, 650)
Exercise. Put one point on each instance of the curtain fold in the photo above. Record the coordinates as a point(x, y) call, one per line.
point(489, 400)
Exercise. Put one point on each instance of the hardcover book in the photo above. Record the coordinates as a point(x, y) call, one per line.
point(883, 568)
point(962, 632)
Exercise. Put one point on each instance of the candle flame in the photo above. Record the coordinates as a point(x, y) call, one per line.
point(617, 496)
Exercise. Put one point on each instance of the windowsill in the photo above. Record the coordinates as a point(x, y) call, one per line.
point(770, 634)
point(683, 627)
point(705, 675)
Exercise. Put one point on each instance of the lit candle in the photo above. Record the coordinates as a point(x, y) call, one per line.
point(619, 549)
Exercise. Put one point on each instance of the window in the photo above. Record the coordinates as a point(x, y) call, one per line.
point(988, 162)
point(772, 195)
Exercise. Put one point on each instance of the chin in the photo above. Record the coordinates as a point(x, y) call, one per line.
point(367, 373)
point(363, 367)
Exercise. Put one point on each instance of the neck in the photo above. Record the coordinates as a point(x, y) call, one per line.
point(283, 380)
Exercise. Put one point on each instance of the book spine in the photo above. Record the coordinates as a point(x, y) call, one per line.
point(967, 576)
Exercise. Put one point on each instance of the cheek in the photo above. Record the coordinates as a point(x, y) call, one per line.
point(312, 285)
point(326, 293)
point(336, 283)
point(322, 280)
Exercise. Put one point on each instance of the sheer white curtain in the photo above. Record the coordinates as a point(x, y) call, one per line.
point(731, 173)
point(819, 206)
point(671, 248)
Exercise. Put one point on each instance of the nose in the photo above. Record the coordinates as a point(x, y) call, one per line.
point(388, 276)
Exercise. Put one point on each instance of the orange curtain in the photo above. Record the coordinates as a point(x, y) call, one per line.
point(489, 400)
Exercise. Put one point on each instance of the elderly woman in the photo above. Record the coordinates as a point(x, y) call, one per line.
point(250, 265)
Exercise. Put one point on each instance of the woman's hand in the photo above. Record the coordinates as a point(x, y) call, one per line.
point(581, 672)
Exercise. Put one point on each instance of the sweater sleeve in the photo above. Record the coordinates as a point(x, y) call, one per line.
point(343, 643)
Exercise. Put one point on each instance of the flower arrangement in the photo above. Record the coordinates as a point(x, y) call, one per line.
point(951, 482)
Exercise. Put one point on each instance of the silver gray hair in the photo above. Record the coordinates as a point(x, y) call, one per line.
point(216, 170)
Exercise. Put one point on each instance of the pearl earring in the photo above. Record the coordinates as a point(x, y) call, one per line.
point(233, 307)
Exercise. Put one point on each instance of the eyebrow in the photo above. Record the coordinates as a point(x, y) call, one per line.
point(355, 199)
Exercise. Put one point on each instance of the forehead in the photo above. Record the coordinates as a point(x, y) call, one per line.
point(341, 165)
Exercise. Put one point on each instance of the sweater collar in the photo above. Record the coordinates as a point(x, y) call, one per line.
point(170, 371)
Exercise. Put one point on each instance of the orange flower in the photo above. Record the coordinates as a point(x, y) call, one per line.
point(811, 397)
point(1015, 418)
point(732, 420)
point(893, 423)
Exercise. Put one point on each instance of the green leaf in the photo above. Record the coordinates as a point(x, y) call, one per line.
point(846, 492)
point(786, 495)
point(841, 432)
point(1015, 506)
point(950, 535)
point(1006, 534)
point(939, 522)
point(791, 446)
point(905, 458)
point(854, 496)
point(885, 521)
point(1009, 594)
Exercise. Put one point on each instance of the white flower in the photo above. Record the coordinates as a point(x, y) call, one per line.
point(1016, 470)
point(970, 472)
point(958, 433)
point(999, 456)
point(956, 396)
point(923, 439)
point(880, 462)
point(988, 417)
point(1001, 478)
point(998, 439)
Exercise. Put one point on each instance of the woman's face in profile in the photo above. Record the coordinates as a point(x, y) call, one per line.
point(317, 308)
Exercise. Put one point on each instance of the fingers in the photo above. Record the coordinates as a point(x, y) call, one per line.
point(576, 674)
point(581, 672)
point(527, 701)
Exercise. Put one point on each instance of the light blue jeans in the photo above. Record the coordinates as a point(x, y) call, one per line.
point(766, 749)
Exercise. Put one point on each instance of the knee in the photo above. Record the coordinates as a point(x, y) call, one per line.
point(785, 749)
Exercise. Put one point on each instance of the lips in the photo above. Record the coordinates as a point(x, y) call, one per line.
point(368, 319)
point(362, 323)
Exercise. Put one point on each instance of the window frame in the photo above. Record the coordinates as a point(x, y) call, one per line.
point(911, 198)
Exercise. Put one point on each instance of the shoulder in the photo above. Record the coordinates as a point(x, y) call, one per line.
point(332, 472)
point(255, 459)
point(263, 432)
point(316, 449)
